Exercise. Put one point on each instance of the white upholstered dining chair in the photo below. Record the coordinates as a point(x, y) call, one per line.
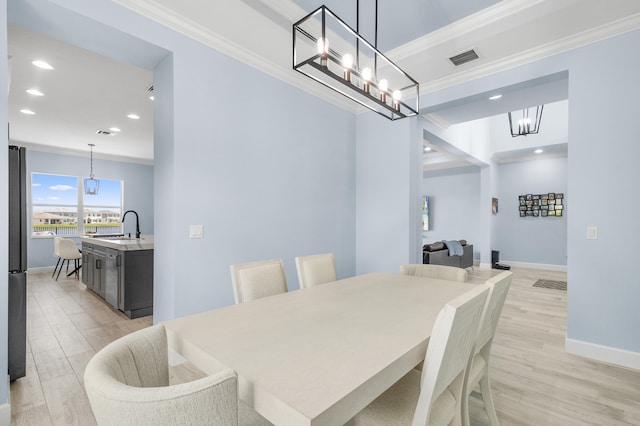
point(127, 383)
point(478, 366)
point(255, 280)
point(440, 272)
point(433, 397)
point(56, 251)
point(67, 250)
point(316, 269)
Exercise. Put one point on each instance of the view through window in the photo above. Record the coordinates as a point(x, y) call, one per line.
point(58, 201)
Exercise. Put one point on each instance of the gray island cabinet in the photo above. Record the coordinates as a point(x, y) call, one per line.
point(120, 270)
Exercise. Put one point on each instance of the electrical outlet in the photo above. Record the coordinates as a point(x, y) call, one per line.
point(196, 231)
point(592, 232)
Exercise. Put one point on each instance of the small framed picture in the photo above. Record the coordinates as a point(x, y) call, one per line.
point(544, 213)
point(523, 214)
point(536, 208)
point(544, 207)
point(529, 197)
point(544, 197)
point(545, 202)
point(523, 208)
point(552, 212)
point(559, 195)
point(558, 206)
point(551, 202)
point(552, 196)
point(529, 213)
point(535, 197)
point(558, 212)
point(536, 213)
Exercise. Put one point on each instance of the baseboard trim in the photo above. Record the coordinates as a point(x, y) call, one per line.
point(544, 266)
point(40, 270)
point(603, 353)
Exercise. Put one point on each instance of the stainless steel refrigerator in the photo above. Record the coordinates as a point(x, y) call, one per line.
point(17, 262)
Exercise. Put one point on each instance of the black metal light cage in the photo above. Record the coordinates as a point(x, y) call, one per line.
point(328, 64)
point(524, 126)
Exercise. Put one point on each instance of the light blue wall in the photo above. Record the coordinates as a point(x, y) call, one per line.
point(266, 168)
point(138, 194)
point(388, 193)
point(454, 206)
point(603, 296)
point(604, 288)
point(540, 240)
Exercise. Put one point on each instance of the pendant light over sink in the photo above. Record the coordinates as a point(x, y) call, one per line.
point(91, 185)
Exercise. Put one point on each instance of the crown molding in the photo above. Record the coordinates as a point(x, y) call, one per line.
point(437, 120)
point(191, 29)
point(486, 17)
point(621, 26)
point(79, 153)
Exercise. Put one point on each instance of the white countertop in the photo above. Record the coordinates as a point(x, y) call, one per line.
point(145, 242)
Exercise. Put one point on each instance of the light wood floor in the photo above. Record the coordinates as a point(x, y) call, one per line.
point(535, 382)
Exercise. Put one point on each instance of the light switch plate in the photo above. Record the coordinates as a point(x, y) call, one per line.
point(196, 231)
point(592, 232)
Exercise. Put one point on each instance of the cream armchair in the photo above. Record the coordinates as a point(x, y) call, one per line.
point(127, 383)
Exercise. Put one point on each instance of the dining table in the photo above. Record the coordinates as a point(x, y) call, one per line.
point(319, 355)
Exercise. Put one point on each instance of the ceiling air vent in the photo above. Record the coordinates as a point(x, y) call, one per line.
point(150, 89)
point(464, 57)
point(103, 132)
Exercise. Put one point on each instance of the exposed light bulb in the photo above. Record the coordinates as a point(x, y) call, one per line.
point(133, 116)
point(347, 63)
point(323, 49)
point(27, 112)
point(383, 86)
point(538, 151)
point(397, 97)
point(366, 77)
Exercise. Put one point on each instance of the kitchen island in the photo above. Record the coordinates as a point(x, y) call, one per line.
point(119, 269)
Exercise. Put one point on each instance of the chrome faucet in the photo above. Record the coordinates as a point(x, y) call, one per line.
point(137, 222)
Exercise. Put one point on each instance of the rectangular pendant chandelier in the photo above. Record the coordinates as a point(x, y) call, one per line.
point(526, 122)
point(332, 53)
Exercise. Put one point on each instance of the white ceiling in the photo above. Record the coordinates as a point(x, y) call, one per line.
point(84, 93)
point(505, 34)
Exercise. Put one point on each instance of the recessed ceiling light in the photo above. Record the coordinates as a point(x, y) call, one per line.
point(427, 148)
point(538, 151)
point(35, 92)
point(42, 64)
point(152, 97)
point(494, 97)
point(27, 111)
point(114, 129)
point(133, 116)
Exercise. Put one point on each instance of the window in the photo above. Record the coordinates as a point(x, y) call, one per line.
point(56, 203)
point(102, 212)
